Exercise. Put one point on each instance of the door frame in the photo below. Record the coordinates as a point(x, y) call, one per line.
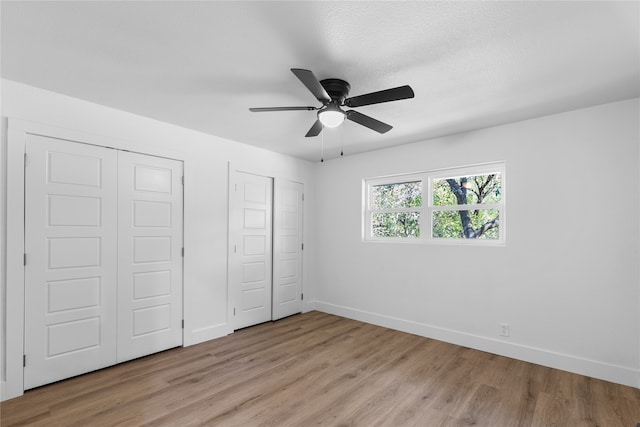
point(252, 169)
point(12, 376)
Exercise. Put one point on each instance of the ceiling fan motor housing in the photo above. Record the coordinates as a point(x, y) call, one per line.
point(337, 89)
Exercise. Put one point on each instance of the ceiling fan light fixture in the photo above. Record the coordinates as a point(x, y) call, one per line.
point(331, 116)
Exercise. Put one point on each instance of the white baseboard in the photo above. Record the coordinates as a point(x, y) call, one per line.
point(308, 306)
point(578, 365)
point(200, 335)
point(3, 391)
point(9, 390)
point(208, 333)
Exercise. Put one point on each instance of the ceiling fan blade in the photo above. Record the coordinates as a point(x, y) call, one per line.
point(395, 94)
point(311, 82)
point(263, 109)
point(315, 129)
point(367, 121)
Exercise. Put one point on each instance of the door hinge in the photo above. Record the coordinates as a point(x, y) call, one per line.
point(24, 360)
point(234, 311)
point(182, 251)
point(303, 197)
point(182, 323)
point(24, 259)
point(302, 247)
point(235, 249)
point(25, 159)
point(183, 180)
point(301, 297)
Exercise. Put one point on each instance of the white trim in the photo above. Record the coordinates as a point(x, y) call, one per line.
point(201, 335)
point(462, 171)
point(16, 145)
point(618, 374)
point(308, 306)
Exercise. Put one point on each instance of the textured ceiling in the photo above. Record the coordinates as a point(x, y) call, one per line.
point(202, 64)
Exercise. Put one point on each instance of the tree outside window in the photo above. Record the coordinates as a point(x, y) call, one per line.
point(395, 203)
point(463, 202)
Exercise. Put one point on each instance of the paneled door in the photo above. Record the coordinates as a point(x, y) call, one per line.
point(250, 278)
point(287, 248)
point(149, 254)
point(71, 256)
point(103, 261)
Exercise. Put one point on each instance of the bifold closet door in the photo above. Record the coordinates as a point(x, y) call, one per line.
point(287, 248)
point(103, 253)
point(149, 254)
point(71, 259)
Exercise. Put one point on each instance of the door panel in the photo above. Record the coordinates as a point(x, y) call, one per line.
point(70, 244)
point(251, 258)
point(149, 255)
point(287, 249)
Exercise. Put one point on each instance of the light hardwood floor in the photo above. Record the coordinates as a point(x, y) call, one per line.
point(319, 369)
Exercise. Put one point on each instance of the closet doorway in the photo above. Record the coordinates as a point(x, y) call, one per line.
point(265, 253)
point(103, 257)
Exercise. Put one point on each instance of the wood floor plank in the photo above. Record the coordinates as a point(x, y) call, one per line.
point(319, 369)
point(340, 372)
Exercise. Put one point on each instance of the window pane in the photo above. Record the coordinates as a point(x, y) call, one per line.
point(396, 195)
point(467, 190)
point(461, 224)
point(396, 224)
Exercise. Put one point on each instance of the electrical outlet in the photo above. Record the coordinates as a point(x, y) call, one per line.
point(504, 330)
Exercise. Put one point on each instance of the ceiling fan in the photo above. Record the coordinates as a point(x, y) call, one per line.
point(332, 93)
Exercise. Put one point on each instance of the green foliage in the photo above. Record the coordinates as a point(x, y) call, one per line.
point(394, 196)
point(479, 189)
point(397, 195)
point(396, 224)
point(447, 224)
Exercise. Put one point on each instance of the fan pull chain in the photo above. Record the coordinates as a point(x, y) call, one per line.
point(322, 148)
point(342, 140)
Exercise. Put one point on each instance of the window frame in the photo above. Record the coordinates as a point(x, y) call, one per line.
point(369, 211)
point(426, 211)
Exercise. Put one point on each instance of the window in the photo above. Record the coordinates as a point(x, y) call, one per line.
point(394, 209)
point(453, 205)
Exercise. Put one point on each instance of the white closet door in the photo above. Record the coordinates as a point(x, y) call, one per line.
point(70, 272)
point(250, 261)
point(149, 254)
point(287, 248)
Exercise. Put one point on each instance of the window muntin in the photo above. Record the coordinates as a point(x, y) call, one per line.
point(446, 206)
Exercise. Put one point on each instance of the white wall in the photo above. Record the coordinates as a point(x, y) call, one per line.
point(567, 280)
point(206, 160)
